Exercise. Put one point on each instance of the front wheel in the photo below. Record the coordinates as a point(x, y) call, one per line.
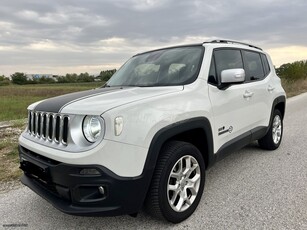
point(272, 139)
point(177, 183)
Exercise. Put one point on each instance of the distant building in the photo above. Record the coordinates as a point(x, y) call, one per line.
point(38, 76)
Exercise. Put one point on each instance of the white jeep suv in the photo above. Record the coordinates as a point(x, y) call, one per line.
point(148, 135)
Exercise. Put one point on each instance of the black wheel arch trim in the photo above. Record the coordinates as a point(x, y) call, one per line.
point(170, 131)
point(277, 101)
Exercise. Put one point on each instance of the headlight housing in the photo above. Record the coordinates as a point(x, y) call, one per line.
point(93, 128)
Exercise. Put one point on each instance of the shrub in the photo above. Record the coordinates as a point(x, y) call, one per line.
point(19, 78)
point(293, 71)
point(4, 80)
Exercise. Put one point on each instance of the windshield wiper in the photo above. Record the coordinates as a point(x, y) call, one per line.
point(105, 85)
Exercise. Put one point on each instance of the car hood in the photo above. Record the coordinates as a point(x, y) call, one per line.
point(98, 101)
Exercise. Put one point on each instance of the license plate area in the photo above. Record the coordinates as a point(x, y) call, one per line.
point(40, 172)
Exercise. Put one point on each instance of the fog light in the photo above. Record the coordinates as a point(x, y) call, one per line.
point(89, 172)
point(101, 190)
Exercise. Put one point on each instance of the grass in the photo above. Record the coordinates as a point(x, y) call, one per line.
point(9, 160)
point(294, 88)
point(9, 165)
point(14, 101)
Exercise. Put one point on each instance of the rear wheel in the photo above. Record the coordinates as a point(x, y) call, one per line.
point(273, 137)
point(177, 183)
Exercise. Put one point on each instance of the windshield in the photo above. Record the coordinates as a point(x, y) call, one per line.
point(173, 66)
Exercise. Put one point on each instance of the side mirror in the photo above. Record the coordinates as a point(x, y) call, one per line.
point(232, 76)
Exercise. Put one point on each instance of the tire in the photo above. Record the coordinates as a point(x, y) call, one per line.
point(175, 191)
point(272, 139)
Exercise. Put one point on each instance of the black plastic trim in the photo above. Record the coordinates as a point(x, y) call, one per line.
point(259, 132)
point(73, 193)
point(278, 100)
point(172, 130)
point(239, 142)
point(233, 145)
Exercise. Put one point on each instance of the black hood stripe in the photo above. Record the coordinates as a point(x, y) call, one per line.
point(55, 104)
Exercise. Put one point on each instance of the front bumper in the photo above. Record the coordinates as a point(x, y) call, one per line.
point(74, 193)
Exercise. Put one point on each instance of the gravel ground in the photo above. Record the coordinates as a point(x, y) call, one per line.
point(250, 189)
point(5, 187)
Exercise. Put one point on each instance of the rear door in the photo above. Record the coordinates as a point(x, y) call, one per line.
point(256, 70)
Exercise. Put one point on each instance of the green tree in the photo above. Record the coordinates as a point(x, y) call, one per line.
point(4, 80)
point(293, 71)
point(19, 78)
point(85, 77)
point(62, 79)
point(46, 80)
point(71, 77)
point(105, 75)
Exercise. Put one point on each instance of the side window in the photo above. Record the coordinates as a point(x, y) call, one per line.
point(212, 78)
point(227, 59)
point(253, 65)
point(266, 65)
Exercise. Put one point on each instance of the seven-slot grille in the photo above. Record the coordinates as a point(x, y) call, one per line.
point(49, 126)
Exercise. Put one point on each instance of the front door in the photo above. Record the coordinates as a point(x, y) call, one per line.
point(233, 107)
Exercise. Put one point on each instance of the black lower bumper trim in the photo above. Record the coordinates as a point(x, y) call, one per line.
point(101, 194)
point(63, 205)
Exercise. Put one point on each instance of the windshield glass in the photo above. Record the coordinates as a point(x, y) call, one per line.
point(173, 66)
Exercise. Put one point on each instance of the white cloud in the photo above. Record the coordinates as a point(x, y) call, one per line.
point(45, 45)
point(48, 18)
point(5, 25)
point(7, 48)
point(148, 4)
point(140, 5)
point(28, 15)
point(65, 15)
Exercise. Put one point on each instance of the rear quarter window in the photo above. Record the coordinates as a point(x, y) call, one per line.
point(265, 63)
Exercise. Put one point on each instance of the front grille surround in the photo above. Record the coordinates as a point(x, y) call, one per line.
point(57, 131)
point(52, 127)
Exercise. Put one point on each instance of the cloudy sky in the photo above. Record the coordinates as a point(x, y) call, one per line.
point(62, 36)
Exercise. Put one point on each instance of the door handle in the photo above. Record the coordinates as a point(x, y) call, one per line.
point(271, 88)
point(248, 94)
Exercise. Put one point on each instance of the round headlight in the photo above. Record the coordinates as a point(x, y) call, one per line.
point(92, 128)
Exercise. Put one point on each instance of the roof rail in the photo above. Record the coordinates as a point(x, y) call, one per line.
point(233, 42)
